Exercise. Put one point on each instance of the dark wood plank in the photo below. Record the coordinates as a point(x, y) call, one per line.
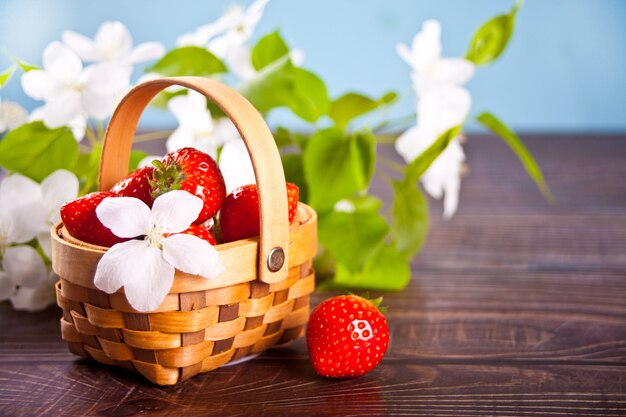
point(280, 386)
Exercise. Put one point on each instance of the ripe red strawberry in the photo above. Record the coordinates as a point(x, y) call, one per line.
point(201, 232)
point(80, 219)
point(347, 336)
point(239, 217)
point(194, 171)
point(136, 184)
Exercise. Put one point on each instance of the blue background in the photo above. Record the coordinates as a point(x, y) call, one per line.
point(564, 70)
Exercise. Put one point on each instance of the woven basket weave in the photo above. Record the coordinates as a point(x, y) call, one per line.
point(262, 299)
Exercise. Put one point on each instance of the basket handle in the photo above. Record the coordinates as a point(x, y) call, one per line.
point(268, 171)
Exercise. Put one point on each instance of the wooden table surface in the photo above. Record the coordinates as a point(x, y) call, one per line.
point(515, 308)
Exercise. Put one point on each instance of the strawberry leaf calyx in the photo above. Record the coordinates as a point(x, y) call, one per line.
point(166, 178)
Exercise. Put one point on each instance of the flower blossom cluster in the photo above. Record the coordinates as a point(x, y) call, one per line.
point(442, 103)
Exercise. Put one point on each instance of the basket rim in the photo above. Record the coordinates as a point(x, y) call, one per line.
point(77, 264)
point(56, 233)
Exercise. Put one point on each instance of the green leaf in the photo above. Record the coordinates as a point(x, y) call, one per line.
point(285, 137)
point(385, 270)
point(135, 158)
point(6, 75)
point(409, 211)
point(352, 237)
point(310, 99)
point(352, 105)
point(330, 167)
point(268, 49)
point(363, 154)
point(25, 66)
point(499, 129)
point(188, 60)
point(492, 38)
point(281, 84)
point(36, 151)
point(87, 169)
point(421, 163)
point(294, 172)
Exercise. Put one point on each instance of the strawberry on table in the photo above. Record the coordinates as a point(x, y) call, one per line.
point(239, 217)
point(346, 336)
point(136, 184)
point(194, 171)
point(81, 221)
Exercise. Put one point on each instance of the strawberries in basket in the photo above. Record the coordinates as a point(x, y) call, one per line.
point(188, 169)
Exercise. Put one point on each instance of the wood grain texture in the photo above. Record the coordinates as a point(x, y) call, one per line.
point(516, 308)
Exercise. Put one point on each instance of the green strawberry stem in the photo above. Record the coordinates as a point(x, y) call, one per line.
point(166, 178)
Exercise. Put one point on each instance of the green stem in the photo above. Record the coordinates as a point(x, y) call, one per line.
point(399, 121)
point(156, 135)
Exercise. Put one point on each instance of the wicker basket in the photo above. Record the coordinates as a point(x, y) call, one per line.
point(261, 300)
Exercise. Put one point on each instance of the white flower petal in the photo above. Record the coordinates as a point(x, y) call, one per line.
point(443, 106)
point(61, 110)
point(125, 216)
point(24, 266)
point(181, 138)
point(405, 53)
point(45, 241)
point(454, 71)
point(40, 85)
point(120, 264)
point(236, 165)
point(12, 115)
point(59, 187)
point(7, 287)
point(451, 199)
point(84, 47)
point(191, 111)
point(151, 280)
point(173, 212)
point(426, 47)
point(107, 78)
point(62, 63)
point(34, 299)
point(408, 145)
point(113, 41)
point(239, 61)
point(297, 56)
point(192, 255)
point(16, 190)
point(146, 52)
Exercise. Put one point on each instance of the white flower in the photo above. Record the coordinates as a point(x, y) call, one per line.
point(25, 279)
point(28, 210)
point(21, 212)
point(234, 28)
point(425, 59)
point(441, 104)
point(236, 165)
point(145, 268)
point(113, 43)
point(71, 91)
point(444, 174)
point(12, 115)
point(196, 127)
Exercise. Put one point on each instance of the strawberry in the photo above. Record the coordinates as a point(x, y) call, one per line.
point(347, 336)
point(239, 217)
point(201, 232)
point(194, 171)
point(81, 221)
point(136, 184)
